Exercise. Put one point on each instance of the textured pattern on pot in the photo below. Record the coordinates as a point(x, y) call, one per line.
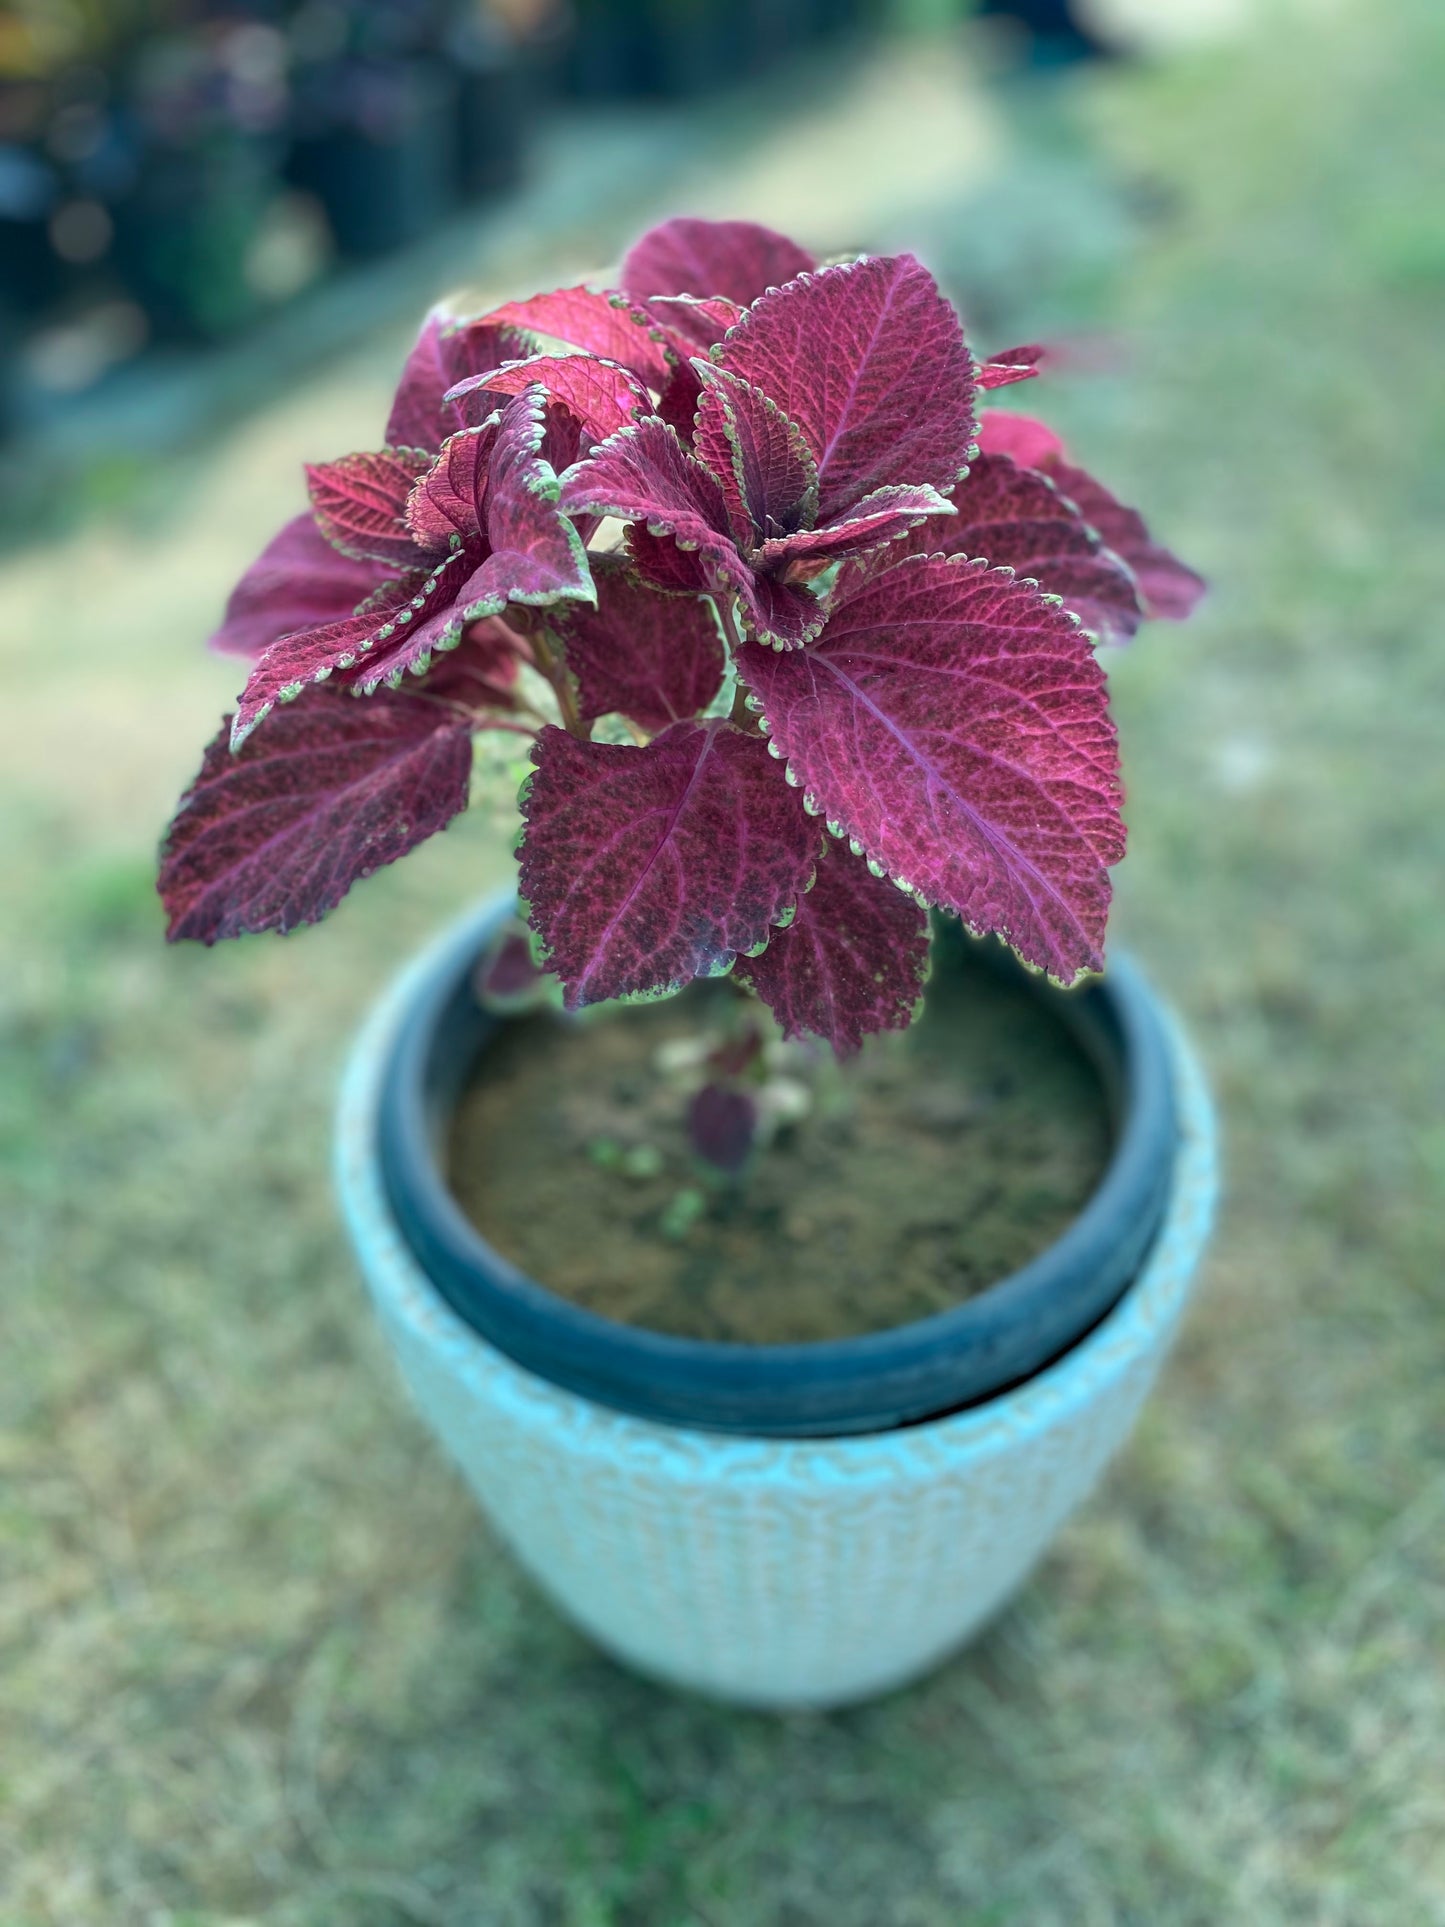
point(771, 1572)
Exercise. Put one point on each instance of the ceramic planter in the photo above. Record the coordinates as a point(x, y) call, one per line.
point(770, 1571)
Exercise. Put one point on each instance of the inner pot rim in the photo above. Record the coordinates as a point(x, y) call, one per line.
point(869, 1382)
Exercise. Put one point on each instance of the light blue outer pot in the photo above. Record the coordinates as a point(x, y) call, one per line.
point(776, 1573)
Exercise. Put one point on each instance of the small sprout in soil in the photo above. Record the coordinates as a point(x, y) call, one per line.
point(681, 1213)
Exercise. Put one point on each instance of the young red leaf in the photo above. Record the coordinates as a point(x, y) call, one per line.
point(1016, 517)
point(396, 629)
point(481, 672)
point(767, 473)
point(692, 323)
point(954, 724)
point(869, 360)
point(737, 259)
point(603, 395)
point(1167, 586)
point(645, 475)
point(275, 836)
point(644, 868)
point(297, 581)
point(447, 351)
point(852, 961)
point(537, 556)
point(656, 658)
point(447, 504)
point(1010, 365)
point(1030, 442)
point(601, 323)
point(360, 503)
point(879, 518)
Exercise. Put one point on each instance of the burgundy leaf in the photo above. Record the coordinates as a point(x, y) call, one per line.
point(643, 868)
point(1030, 442)
point(297, 581)
point(722, 1125)
point(276, 835)
point(954, 724)
point(782, 614)
point(1016, 517)
point(395, 630)
point(734, 258)
point(537, 556)
point(759, 456)
point(656, 658)
point(603, 395)
point(360, 503)
point(602, 323)
point(446, 352)
point(692, 323)
point(1010, 365)
point(852, 961)
point(869, 360)
point(481, 672)
point(507, 981)
point(447, 505)
point(882, 517)
point(1167, 586)
point(677, 402)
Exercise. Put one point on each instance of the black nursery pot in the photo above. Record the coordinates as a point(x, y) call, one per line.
point(868, 1383)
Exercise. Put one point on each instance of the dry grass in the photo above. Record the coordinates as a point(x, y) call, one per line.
point(259, 1661)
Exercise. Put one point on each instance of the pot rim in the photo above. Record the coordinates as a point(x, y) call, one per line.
point(902, 1375)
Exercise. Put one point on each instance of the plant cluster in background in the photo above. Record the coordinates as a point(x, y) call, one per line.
point(817, 639)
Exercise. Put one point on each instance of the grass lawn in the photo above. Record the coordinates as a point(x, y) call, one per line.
point(260, 1660)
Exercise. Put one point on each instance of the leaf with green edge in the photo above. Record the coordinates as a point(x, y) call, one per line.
point(297, 582)
point(955, 724)
point(883, 517)
point(1016, 517)
point(645, 868)
point(736, 259)
point(656, 658)
point(360, 503)
point(869, 360)
point(693, 324)
point(852, 962)
point(760, 457)
point(603, 395)
point(447, 504)
point(274, 837)
point(598, 321)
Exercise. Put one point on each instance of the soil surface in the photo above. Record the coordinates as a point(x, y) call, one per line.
point(927, 1168)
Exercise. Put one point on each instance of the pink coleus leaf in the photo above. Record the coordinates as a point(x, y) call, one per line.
point(360, 501)
point(275, 836)
point(447, 351)
point(1016, 517)
point(1010, 365)
point(760, 458)
point(1168, 587)
point(602, 323)
point(396, 629)
point(737, 259)
point(447, 504)
point(869, 360)
point(298, 581)
point(656, 658)
point(644, 868)
point(537, 555)
point(603, 395)
point(852, 961)
point(645, 476)
point(691, 322)
point(882, 517)
point(1031, 443)
point(954, 725)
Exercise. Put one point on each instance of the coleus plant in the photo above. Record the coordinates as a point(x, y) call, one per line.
point(836, 665)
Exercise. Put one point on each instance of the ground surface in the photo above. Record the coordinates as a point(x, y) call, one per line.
point(259, 1661)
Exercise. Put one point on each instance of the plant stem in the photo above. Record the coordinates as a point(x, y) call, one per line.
point(554, 668)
